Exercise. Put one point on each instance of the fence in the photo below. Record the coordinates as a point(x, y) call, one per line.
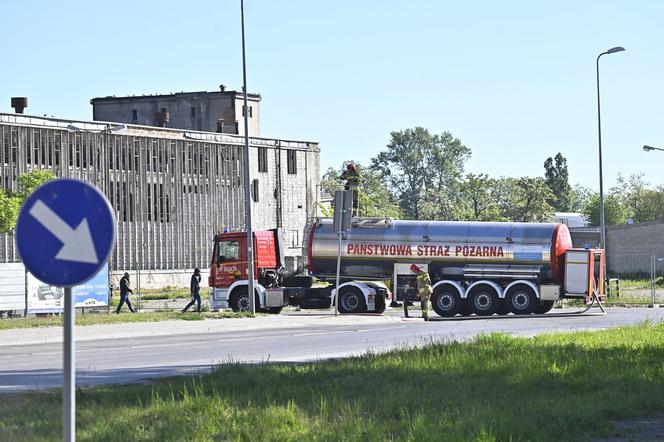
point(635, 278)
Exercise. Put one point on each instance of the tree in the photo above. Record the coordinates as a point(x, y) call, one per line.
point(557, 178)
point(9, 206)
point(580, 197)
point(29, 181)
point(524, 199)
point(423, 171)
point(615, 212)
point(10, 203)
point(375, 199)
point(479, 196)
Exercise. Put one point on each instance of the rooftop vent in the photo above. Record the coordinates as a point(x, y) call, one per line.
point(19, 103)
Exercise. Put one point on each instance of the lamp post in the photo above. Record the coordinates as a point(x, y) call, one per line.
point(602, 238)
point(649, 148)
point(247, 179)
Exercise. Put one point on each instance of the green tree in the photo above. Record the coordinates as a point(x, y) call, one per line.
point(29, 181)
point(375, 199)
point(10, 203)
point(580, 197)
point(9, 206)
point(479, 194)
point(424, 171)
point(557, 178)
point(524, 199)
point(615, 212)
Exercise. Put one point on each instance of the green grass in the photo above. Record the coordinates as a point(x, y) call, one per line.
point(92, 319)
point(165, 293)
point(547, 388)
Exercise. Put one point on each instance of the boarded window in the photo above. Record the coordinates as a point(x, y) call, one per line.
point(291, 161)
point(262, 159)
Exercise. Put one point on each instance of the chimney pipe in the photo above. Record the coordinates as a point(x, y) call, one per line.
point(19, 103)
point(222, 87)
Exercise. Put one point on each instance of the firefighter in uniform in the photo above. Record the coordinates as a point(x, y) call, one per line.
point(424, 289)
point(352, 178)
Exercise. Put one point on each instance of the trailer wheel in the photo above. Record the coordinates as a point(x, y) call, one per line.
point(380, 304)
point(446, 301)
point(239, 301)
point(483, 300)
point(543, 307)
point(521, 299)
point(351, 300)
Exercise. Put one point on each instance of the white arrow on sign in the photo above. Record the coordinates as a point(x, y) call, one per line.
point(77, 244)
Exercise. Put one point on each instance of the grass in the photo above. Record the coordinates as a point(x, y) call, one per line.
point(93, 319)
point(165, 293)
point(547, 388)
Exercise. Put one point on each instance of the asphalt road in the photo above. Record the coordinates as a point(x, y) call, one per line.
point(137, 359)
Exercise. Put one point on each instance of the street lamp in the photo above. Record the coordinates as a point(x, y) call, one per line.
point(599, 131)
point(649, 148)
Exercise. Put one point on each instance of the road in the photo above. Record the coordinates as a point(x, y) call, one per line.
point(312, 337)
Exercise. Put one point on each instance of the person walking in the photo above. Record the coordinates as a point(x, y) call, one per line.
point(424, 289)
point(125, 290)
point(195, 287)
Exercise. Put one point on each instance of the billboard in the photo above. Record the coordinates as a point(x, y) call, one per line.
point(44, 298)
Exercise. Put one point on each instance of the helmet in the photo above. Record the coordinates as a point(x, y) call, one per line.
point(415, 268)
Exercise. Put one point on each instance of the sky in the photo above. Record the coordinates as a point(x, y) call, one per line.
point(514, 80)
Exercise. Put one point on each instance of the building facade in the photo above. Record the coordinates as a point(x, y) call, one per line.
point(171, 189)
point(221, 111)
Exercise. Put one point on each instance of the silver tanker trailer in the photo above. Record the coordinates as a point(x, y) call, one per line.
point(475, 267)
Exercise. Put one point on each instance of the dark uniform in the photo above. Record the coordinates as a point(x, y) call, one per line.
point(124, 293)
point(353, 178)
point(424, 289)
point(195, 287)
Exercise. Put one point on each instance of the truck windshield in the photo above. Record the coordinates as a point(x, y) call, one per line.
point(228, 251)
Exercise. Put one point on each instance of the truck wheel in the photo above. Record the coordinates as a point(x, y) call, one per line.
point(521, 299)
point(351, 300)
point(239, 301)
point(483, 300)
point(446, 301)
point(543, 307)
point(380, 304)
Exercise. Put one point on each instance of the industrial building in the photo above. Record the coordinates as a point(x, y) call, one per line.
point(171, 189)
point(218, 111)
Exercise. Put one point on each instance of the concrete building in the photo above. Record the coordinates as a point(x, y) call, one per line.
point(171, 189)
point(220, 111)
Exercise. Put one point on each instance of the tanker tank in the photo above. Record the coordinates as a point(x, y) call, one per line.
point(458, 250)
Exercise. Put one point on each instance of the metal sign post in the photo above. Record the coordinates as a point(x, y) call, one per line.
point(69, 391)
point(343, 214)
point(64, 233)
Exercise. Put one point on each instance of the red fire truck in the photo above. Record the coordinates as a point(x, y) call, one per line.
point(475, 267)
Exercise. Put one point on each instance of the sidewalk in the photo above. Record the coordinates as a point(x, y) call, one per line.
point(27, 336)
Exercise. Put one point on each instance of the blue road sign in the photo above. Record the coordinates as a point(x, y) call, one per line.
point(65, 232)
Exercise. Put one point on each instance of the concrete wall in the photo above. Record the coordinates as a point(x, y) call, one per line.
point(12, 286)
point(630, 248)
